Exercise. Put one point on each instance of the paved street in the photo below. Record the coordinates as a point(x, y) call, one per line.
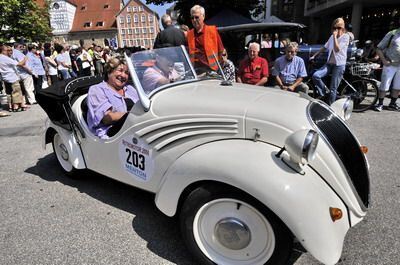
point(48, 218)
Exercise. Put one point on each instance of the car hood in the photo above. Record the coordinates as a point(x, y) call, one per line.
point(208, 97)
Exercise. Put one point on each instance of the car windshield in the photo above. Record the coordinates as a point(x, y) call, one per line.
point(160, 68)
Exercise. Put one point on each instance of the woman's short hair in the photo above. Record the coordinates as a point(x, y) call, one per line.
point(196, 8)
point(111, 65)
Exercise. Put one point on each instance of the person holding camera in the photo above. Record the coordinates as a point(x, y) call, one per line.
point(336, 64)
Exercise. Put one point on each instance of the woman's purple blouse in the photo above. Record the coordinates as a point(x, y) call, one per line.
point(100, 99)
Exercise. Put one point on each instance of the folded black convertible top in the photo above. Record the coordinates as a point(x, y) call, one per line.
point(56, 100)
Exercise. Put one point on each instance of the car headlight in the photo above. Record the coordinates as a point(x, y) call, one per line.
point(343, 107)
point(301, 146)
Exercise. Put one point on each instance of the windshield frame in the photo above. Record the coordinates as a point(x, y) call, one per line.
point(145, 98)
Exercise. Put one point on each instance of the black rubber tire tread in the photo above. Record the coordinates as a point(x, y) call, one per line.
point(203, 194)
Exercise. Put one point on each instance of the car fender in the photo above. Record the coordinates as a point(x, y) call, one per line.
point(301, 201)
point(74, 150)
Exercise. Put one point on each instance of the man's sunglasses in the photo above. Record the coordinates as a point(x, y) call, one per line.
point(195, 17)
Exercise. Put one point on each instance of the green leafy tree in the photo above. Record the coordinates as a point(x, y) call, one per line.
point(24, 19)
point(212, 7)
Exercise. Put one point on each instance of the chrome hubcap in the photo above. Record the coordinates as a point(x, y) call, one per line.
point(64, 152)
point(232, 233)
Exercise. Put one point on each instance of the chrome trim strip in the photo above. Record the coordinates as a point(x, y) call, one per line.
point(142, 95)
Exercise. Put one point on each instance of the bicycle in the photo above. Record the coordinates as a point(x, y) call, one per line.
point(357, 83)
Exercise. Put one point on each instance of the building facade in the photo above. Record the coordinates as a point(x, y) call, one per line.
point(95, 22)
point(62, 14)
point(137, 25)
point(370, 19)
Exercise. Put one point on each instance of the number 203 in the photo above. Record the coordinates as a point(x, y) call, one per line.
point(135, 159)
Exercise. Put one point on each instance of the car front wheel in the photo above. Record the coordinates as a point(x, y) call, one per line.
point(226, 226)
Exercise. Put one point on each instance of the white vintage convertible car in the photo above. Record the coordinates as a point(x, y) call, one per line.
point(248, 169)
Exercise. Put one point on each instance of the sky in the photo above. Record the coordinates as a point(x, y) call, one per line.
point(159, 9)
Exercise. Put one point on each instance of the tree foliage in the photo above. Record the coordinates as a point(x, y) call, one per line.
point(24, 19)
point(212, 7)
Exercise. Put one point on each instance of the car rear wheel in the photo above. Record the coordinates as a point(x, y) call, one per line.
point(223, 226)
point(62, 155)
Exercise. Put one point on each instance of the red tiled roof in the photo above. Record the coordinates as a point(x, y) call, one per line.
point(93, 11)
point(40, 2)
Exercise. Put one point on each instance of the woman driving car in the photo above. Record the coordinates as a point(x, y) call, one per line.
point(110, 101)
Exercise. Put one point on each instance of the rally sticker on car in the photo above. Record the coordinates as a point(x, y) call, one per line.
point(136, 159)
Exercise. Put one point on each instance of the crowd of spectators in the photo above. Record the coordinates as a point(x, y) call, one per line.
point(27, 68)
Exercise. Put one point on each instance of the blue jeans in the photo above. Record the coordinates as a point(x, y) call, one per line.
point(65, 74)
point(337, 74)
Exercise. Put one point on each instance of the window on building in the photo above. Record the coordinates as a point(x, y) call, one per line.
point(121, 19)
point(106, 6)
point(151, 30)
point(145, 42)
point(140, 8)
point(137, 43)
point(144, 31)
point(128, 9)
point(135, 18)
point(150, 18)
point(143, 18)
point(131, 42)
point(122, 31)
point(124, 42)
point(136, 31)
point(135, 9)
point(129, 31)
point(87, 24)
point(128, 19)
point(84, 7)
point(100, 24)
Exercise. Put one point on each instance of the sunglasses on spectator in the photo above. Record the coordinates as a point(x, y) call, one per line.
point(224, 54)
point(195, 17)
point(337, 28)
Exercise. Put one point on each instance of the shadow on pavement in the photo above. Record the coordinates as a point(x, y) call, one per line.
point(160, 232)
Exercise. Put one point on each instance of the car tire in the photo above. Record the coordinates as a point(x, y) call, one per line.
point(62, 156)
point(226, 226)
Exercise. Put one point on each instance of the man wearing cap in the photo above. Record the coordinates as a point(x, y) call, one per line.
point(24, 72)
point(204, 42)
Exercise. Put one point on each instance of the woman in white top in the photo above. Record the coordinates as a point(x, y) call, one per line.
point(337, 55)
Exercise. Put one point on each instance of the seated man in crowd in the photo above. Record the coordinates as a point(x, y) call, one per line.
point(289, 70)
point(253, 69)
point(110, 101)
point(161, 73)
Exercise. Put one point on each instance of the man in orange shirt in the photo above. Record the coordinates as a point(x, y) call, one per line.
point(254, 69)
point(204, 42)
